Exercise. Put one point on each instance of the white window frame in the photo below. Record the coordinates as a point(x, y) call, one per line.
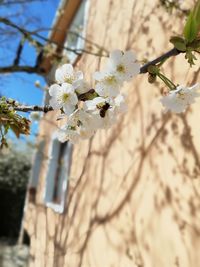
point(81, 41)
point(35, 171)
point(51, 172)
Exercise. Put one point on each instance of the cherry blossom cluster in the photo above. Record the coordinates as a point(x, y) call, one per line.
point(86, 109)
point(180, 98)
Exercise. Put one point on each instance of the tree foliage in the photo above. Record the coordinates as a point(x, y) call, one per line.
point(14, 170)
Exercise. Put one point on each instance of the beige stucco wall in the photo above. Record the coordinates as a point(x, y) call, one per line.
point(134, 191)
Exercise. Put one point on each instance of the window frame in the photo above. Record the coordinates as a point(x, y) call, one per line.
point(52, 170)
point(35, 171)
point(81, 40)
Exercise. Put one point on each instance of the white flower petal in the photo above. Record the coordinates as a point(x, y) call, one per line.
point(99, 75)
point(179, 99)
point(81, 86)
point(65, 133)
point(78, 75)
point(123, 65)
point(64, 73)
point(68, 109)
point(54, 89)
point(129, 56)
point(54, 103)
point(116, 56)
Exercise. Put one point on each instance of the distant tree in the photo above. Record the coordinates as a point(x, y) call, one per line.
point(14, 174)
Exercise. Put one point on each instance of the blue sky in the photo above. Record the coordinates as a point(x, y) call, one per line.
point(20, 86)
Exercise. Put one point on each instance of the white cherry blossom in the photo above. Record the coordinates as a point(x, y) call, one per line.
point(67, 133)
point(91, 105)
point(123, 65)
point(107, 84)
point(63, 97)
point(81, 87)
point(79, 126)
point(66, 74)
point(120, 104)
point(179, 99)
point(86, 115)
point(84, 119)
point(102, 110)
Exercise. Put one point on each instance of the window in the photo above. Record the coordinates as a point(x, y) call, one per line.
point(33, 182)
point(75, 40)
point(77, 31)
point(57, 175)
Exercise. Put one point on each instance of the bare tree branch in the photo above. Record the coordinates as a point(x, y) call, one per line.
point(17, 2)
point(28, 35)
point(16, 68)
point(170, 53)
point(143, 69)
point(18, 52)
point(24, 108)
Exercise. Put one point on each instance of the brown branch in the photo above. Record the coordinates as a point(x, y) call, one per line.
point(28, 35)
point(19, 2)
point(16, 68)
point(46, 108)
point(18, 52)
point(170, 53)
point(143, 69)
point(24, 108)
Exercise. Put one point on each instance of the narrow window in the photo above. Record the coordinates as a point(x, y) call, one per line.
point(57, 175)
point(76, 34)
point(35, 172)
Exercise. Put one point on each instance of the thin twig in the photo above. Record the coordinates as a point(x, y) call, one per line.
point(170, 53)
point(28, 35)
point(19, 2)
point(16, 68)
point(24, 108)
point(46, 108)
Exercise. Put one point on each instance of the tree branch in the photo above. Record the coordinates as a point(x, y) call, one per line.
point(19, 2)
point(46, 108)
point(24, 108)
point(18, 53)
point(143, 69)
point(170, 53)
point(28, 35)
point(16, 68)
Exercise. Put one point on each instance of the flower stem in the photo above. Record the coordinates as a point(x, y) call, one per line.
point(167, 81)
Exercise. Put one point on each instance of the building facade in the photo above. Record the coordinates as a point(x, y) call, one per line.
point(129, 196)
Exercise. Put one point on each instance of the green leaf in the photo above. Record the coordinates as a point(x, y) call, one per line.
point(179, 43)
point(191, 28)
point(190, 57)
point(197, 14)
point(195, 44)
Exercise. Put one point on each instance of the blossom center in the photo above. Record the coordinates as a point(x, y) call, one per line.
point(65, 97)
point(110, 79)
point(69, 79)
point(181, 95)
point(121, 68)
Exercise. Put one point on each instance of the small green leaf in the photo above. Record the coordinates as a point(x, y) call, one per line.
point(195, 44)
point(191, 28)
point(190, 57)
point(197, 14)
point(179, 43)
